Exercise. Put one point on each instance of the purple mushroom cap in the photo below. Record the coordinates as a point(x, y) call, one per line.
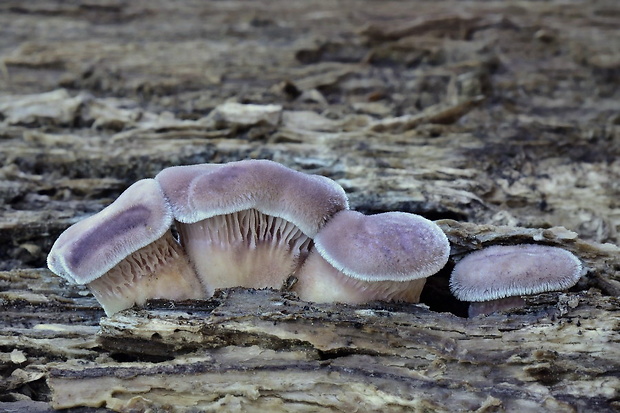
point(91, 247)
point(359, 258)
point(503, 271)
point(392, 246)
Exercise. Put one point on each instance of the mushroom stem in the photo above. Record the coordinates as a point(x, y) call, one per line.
point(245, 248)
point(320, 282)
point(500, 304)
point(158, 270)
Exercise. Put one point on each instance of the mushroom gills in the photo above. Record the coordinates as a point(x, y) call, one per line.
point(246, 248)
point(158, 270)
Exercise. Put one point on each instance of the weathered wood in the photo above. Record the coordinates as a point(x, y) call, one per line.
point(268, 350)
point(259, 349)
point(262, 349)
point(498, 119)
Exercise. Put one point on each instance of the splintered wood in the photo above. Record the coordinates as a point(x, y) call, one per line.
point(264, 350)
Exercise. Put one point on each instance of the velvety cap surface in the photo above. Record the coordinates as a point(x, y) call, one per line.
point(176, 183)
point(394, 246)
point(504, 271)
point(93, 246)
point(199, 192)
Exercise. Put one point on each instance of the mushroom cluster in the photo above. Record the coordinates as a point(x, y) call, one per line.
point(252, 223)
point(258, 224)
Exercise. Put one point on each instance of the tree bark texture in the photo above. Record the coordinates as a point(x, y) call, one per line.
point(500, 120)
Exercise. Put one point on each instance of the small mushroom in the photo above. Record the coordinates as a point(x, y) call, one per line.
point(248, 223)
point(126, 253)
point(359, 258)
point(496, 277)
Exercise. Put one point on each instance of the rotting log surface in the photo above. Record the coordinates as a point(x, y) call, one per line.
point(500, 116)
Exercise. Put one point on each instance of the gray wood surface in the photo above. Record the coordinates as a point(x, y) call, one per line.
point(500, 120)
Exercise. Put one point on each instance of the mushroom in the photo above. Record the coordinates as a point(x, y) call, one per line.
point(248, 223)
point(359, 258)
point(126, 253)
point(496, 277)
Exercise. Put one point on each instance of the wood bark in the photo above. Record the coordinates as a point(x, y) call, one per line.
point(499, 120)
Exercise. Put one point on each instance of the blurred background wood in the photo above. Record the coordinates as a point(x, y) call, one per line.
point(501, 116)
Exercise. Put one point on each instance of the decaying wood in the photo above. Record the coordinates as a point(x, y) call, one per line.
point(262, 350)
point(268, 350)
point(500, 120)
point(249, 349)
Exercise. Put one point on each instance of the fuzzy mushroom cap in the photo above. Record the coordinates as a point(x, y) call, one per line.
point(359, 258)
point(248, 223)
point(198, 192)
point(504, 271)
point(392, 246)
point(126, 253)
point(93, 246)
